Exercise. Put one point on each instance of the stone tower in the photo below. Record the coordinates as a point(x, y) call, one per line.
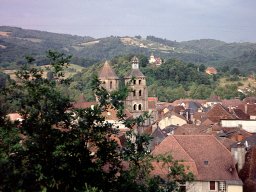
point(137, 100)
point(108, 77)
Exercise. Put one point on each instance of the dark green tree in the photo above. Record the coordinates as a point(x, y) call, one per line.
point(58, 148)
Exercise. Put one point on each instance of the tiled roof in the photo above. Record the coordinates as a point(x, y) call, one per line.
point(231, 102)
point(83, 105)
point(191, 129)
point(135, 73)
point(107, 72)
point(240, 114)
point(14, 116)
point(250, 100)
point(251, 141)
point(213, 161)
point(218, 112)
point(226, 142)
point(249, 109)
point(111, 114)
point(211, 70)
point(172, 113)
point(214, 98)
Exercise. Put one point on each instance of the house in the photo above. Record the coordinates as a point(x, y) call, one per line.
point(157, 61)
point(14, 117)
point(209, 161)
point(247, 174)
point(219, 112)
point(211, 71)
point(157, 137)
point(249, 109)
point(247, 125)
point(172, 118)
point(240, 148)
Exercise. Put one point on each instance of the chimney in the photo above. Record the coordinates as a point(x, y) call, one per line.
point(245, 108)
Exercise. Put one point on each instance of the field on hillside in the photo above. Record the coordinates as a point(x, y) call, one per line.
point(242, 82)
point(69, 72)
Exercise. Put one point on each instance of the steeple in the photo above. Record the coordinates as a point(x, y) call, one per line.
point(135, 63)
point(108, 77)
point(137, 100)
point(107, 72)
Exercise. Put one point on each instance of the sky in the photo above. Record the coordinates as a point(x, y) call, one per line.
point(180, 20)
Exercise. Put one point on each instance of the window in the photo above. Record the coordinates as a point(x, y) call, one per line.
point(134, 82)
point(139, 107)
point(212, 185)
point(134, 93)
point(140, 92)
point(139, 82)
point(222, 186)
point(182, 187)
point(110, 86)
point(134, 107)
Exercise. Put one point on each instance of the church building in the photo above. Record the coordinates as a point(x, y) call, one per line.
point(137, 101)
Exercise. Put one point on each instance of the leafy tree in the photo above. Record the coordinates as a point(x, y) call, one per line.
point(57, 148)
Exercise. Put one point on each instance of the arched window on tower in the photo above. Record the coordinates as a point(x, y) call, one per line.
point(110, 85)
point(140, 92)
point(134, 93)
point(134, 82)
point(139, 82)
point(139, 107)
point(134, 107)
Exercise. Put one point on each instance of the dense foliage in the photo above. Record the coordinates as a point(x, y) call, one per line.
point(58, 148)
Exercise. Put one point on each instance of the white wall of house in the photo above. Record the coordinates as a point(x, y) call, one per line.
point(247, 125)
point(201, 186)
point(173, 120)
point(204, 186)
point(252, 117)
point(234, 188)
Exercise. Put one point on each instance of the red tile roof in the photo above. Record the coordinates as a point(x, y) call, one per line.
point(213, 161)
point(83, 105)
point(218, 112)
point(191, 129)
point(211, 70)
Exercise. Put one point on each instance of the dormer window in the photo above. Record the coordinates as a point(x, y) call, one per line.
point(139, 82)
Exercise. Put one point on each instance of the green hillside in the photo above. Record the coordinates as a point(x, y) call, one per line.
point(15, 43)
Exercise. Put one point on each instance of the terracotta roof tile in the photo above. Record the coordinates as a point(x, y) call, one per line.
point(83, 105)
point(191, 129)
point(213, 161)
point(218, 112)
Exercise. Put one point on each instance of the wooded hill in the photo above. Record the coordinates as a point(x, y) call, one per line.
point(15, 43)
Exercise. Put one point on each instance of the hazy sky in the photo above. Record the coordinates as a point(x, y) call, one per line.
point(228, 20)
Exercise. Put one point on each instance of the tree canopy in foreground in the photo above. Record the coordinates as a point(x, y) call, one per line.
point(58, 148)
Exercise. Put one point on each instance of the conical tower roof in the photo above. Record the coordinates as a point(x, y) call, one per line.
point(107, 72)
